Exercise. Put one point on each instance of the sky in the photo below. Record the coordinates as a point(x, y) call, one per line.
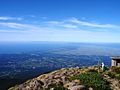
point(60, 20)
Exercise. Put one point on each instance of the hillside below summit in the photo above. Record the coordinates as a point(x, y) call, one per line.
point(90, 78)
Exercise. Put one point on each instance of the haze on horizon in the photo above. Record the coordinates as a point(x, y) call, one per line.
point(60, 20)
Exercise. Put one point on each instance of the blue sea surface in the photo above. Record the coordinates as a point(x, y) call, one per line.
point(90, 48)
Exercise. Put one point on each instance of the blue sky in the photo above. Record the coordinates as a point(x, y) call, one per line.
point(60, 20)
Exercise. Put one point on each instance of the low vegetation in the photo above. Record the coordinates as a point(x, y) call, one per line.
point(92, 79)
point(114, 72)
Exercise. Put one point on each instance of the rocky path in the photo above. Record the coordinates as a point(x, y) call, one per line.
point(114, 84)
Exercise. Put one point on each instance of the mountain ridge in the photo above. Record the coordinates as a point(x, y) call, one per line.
point(64, 79)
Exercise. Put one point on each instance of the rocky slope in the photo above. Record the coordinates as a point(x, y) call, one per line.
point(60, 80)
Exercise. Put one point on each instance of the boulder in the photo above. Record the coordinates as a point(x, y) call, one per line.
point(64, 79)
point(77, 81)
point(78, 87)
point(70, 84)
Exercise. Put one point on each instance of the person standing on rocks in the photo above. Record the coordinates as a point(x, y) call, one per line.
point(103, 65)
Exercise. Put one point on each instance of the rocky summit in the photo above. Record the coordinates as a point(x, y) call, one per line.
point(90, 78)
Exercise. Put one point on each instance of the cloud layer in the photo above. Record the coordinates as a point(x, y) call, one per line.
point(72, 23)
point(71, 29)
point(76, 23)
point(89, 24)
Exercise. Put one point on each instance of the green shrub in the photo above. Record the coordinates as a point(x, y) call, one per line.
point(92, 70)
point(92, 79)
point(106, 68)
point(115, 69)
point(117, 76)
point(111, 74)
point(115, 72)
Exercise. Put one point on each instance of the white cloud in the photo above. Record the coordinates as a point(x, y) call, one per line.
point(54, 22)
point(89, 24)
point(10, 18)
point(12, 31)
point(5, 18)
point(17, 25)
point(68, 26)
point(58, 35)
point(75, 23)
point(71, 31)
point(61, 24)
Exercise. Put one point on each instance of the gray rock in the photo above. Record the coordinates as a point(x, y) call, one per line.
point(78, 87)
point(70, 84)
point(64, 79)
